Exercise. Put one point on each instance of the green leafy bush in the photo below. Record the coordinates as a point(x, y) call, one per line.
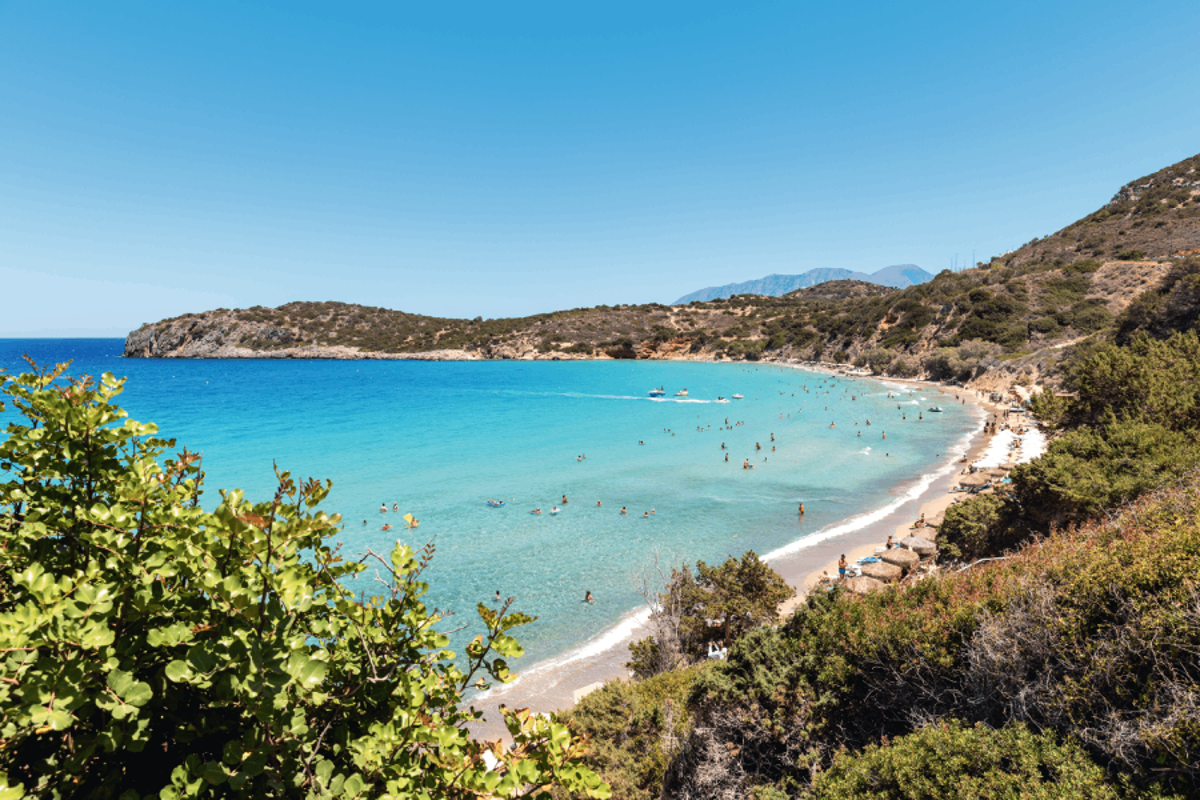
point(154, 649)
point(977, 527)
point(952, 760)
point(1089, 470)
point(634, 730)
point(719, 603)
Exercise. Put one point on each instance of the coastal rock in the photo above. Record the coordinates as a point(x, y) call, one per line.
point(883, 571)
point(900, 557)
point(919, 545)
point(863, 585)
point(191, 338)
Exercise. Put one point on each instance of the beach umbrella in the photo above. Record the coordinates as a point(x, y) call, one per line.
point(996, 472)
point(974, 479)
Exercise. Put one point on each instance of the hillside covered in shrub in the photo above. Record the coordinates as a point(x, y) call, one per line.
point(1022, 306)
point(1055, 653)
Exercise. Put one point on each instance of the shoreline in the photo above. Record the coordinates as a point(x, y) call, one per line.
point(554, 685)
point(932, 503)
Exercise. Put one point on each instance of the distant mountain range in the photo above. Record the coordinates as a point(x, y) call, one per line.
point(898, 276)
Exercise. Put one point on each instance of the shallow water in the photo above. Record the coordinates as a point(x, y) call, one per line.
point(439, 439)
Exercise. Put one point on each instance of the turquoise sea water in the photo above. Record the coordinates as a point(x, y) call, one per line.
point(439, 439)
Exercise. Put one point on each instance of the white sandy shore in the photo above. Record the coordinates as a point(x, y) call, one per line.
point(1008, 447)
point(557, 683)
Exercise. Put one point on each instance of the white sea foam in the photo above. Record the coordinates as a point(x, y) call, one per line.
point(626, 629)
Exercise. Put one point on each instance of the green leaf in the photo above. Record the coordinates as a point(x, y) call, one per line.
point(179, 671)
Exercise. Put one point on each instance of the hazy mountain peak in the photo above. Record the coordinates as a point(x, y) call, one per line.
point(898, 276)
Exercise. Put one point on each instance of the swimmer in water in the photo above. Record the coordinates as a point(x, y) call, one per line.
point(587, 597)
point(727, 456)
point(597, 503)
point(564, 499)
point(386, 528)
point(395, 506)
point(536, 511)
point(802, 509)
point(645, 515)
point(623, 511)
point(497, 595)
point(833, 424)
point(383, 508)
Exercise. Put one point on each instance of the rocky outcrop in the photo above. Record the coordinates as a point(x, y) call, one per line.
point(197, 338)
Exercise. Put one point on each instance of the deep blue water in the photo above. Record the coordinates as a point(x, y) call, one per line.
point(439, 439)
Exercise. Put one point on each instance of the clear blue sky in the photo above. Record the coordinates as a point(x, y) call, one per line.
point(501, 159)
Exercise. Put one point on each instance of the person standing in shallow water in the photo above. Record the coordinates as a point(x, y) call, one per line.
point(587, 597)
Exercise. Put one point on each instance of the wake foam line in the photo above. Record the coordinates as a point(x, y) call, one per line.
point(635, 397)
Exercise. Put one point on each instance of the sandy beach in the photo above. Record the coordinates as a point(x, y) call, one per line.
point(987, 449)
point(558, 685)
